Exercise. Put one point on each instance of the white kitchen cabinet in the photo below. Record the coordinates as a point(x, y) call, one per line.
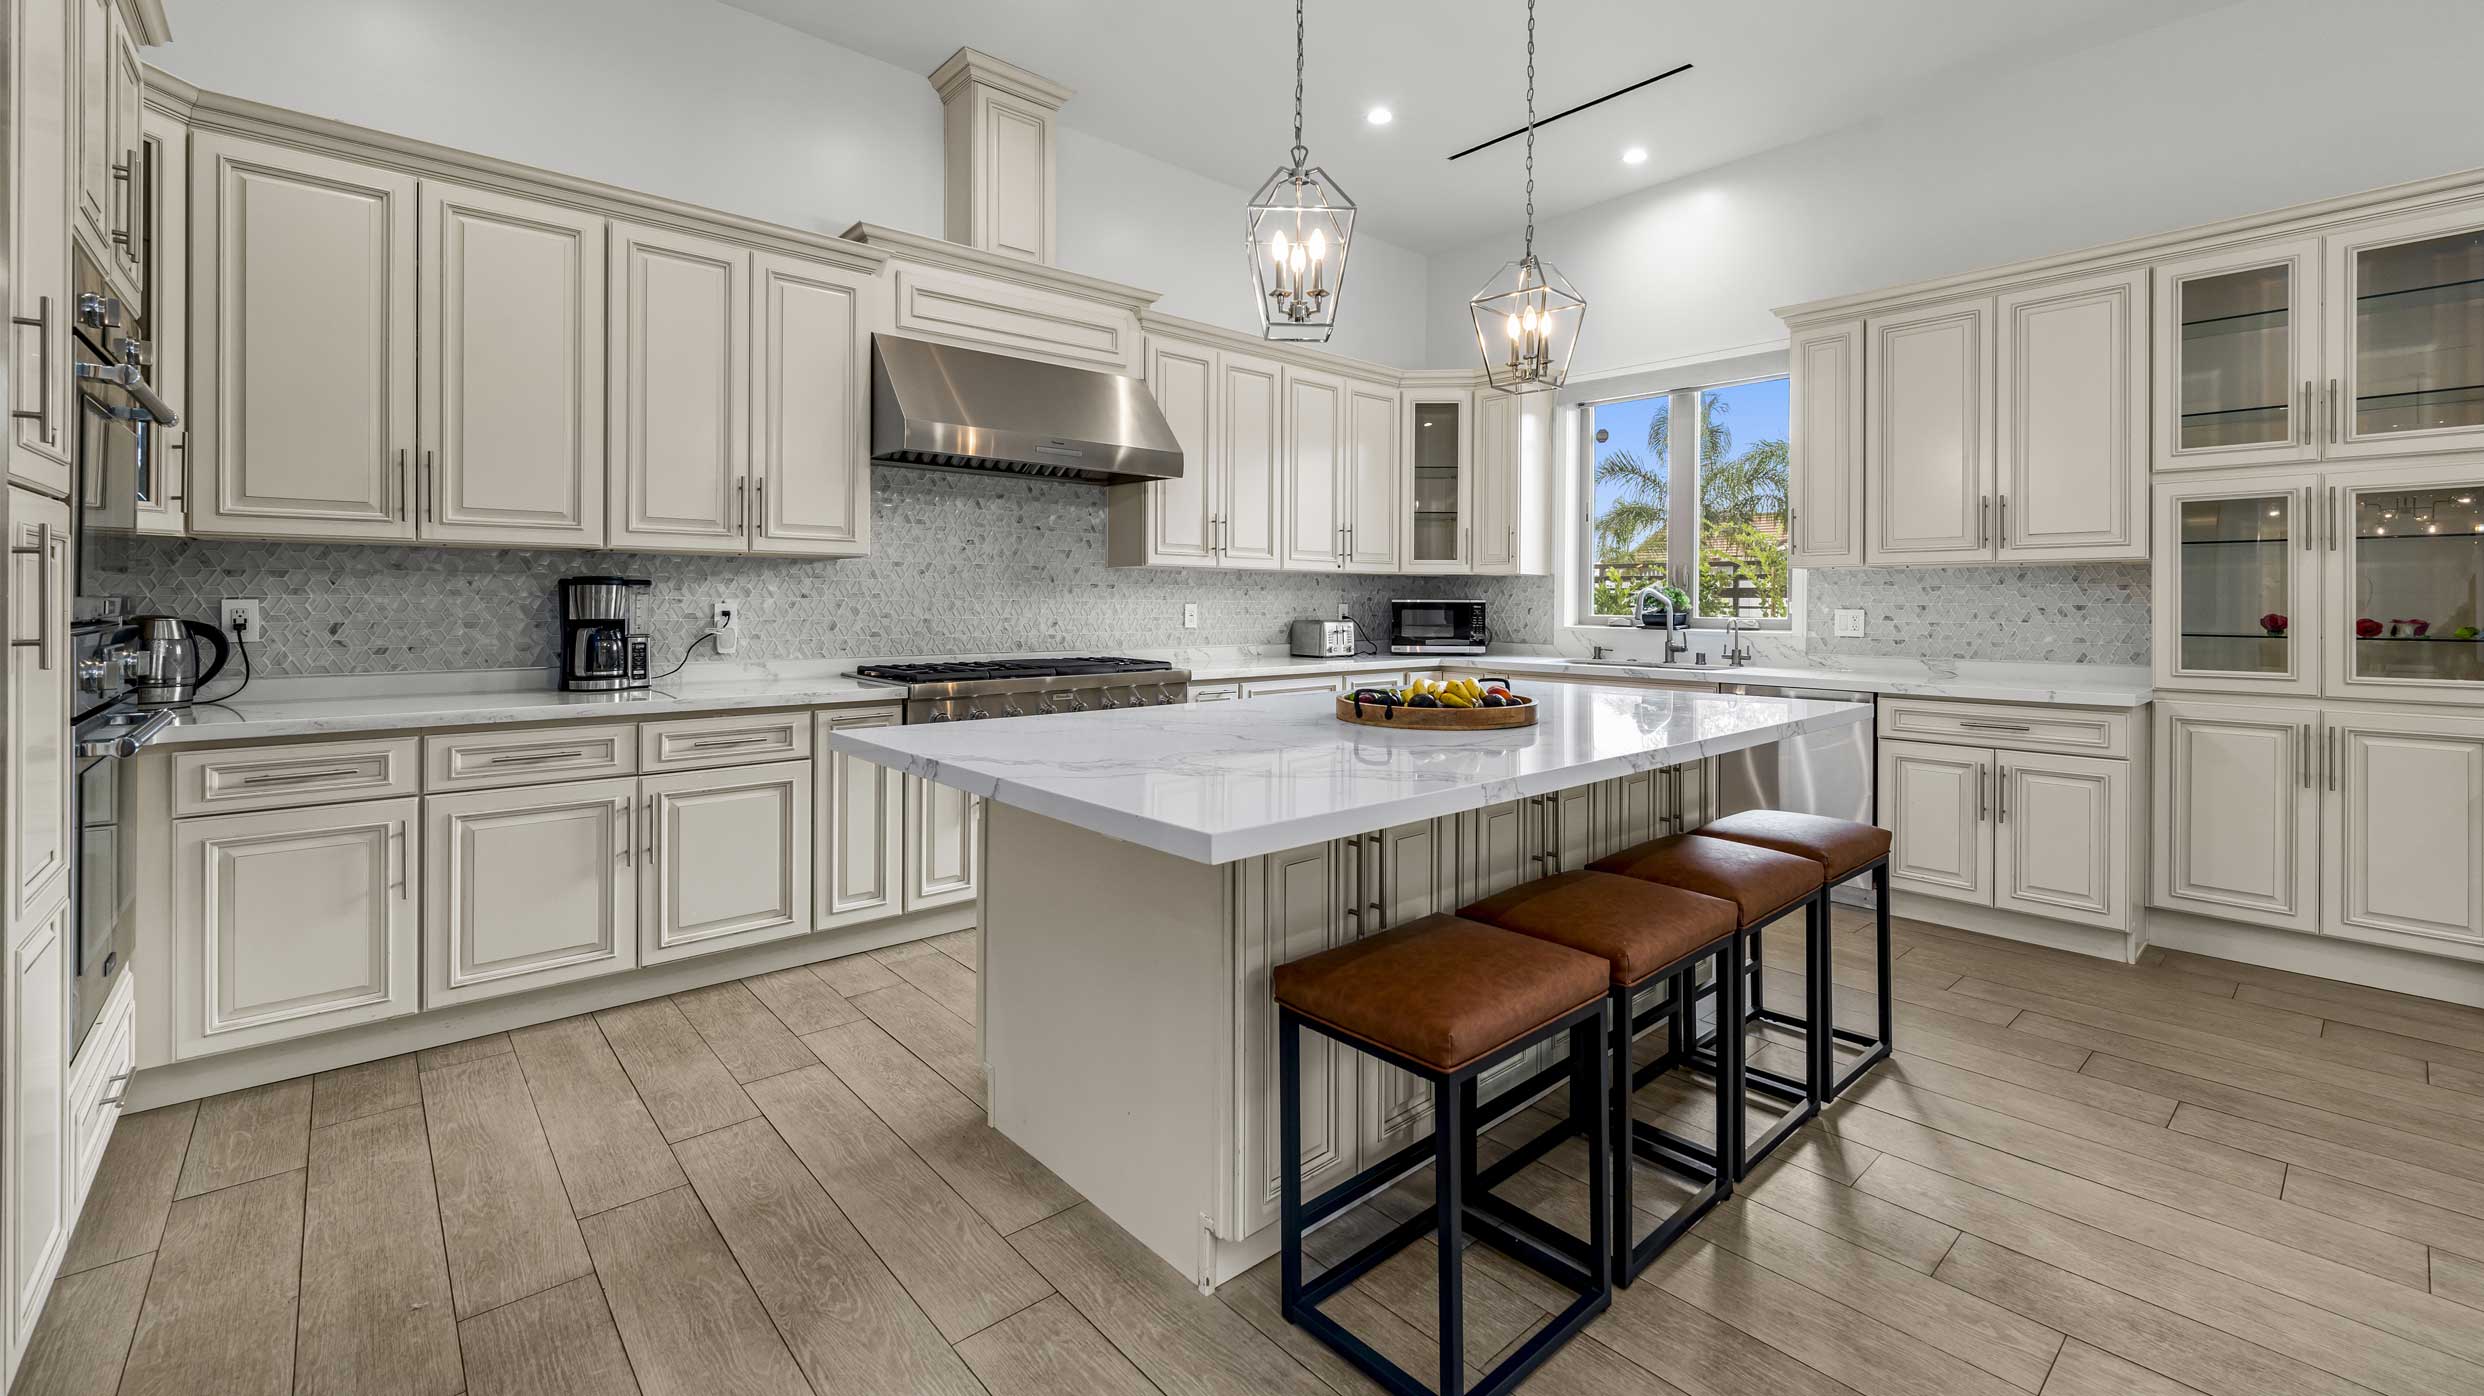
point(1825, 449)
point(1937, 803)
point(678, 437)
point(511, 370)
point(302, 403)
point(943, 845)
point(1250, 461)
point(288, 922)
point(1572, 834)
point(2061, 842)
point(163, 477)
point(37, 759)
point(1288, 906)
point(1397, 875)
point(1300, 683)
point(726, 859)
point(1927, 446)
point(2405, 577)
point(43, 193)
point(810, 443)
point(1439, 479)
point(1496, 847)
point(2237, 356)
point(124, 248)
point(2237, 591)
point(2236, 811)
point(1497, 473)
point(35, 1154)
point(1173, 523)
point(1371, 487)
point(2404, 333)
point(1314, 425)
point(2070, 419)
point(2402, 829)
point(1631, 810)
point(98, 188)
point(861, 825)
point(1028, 322)
point(1215, 692)
point(528, 886)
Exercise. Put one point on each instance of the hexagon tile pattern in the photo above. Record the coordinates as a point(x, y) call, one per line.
point(2078, 613)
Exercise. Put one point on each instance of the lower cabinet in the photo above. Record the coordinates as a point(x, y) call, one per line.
point(34, 1158)
point(528, 886)
point(293, 921)
point(726, 858)
point(858, 862)
point(1287, 906)
point(2037, 833)
point(2237, 811)
point(2403, 826)
point(1397, 875)
point(943, 834)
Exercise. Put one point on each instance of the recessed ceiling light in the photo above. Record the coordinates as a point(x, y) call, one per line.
point(1379, 116)
point(1635, 155)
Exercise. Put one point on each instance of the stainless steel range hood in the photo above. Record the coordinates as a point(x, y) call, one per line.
point(964, 409)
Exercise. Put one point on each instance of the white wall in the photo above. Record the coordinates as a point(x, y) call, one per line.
point(2232, 112)
point(698, 101)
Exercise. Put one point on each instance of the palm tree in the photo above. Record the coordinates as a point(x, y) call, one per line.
point(1735, 492)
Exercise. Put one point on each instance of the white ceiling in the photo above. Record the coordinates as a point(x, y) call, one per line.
point(1208, 87)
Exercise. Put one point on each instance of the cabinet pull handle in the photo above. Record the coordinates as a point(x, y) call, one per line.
point(522, 758)
point(2336, 414)
point(2334, 750)
point(46, 544)
point(2329, 519)
point(402, 506)
point(712, 743)
point(396, 844)
point(621, 826)
point(42, 413)
point(1983, 792)
point(2002, 507)
point(1353, 850)
point(1996, 726)
point(430, 482)
point(2305, 757)
point(2303, 525)
point(118, 1087)
point(2001, 796)
point(290, 777)
point(2303, 415)
point(1983, 520)
point(741, 503)
point(651, 851)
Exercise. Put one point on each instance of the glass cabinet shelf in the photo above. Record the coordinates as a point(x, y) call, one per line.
point(2415, 560)
point(2418, 351)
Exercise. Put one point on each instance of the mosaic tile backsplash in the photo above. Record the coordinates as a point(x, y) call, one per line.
point(960, 564)
point(2081, 613)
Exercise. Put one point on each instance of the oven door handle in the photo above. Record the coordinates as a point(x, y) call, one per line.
point(129, 743)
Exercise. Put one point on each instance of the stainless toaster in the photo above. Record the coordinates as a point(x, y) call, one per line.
point(1322, 639)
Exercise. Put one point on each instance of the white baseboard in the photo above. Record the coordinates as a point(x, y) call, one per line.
point(2375, 966)
point(281, 1061)
point(2117, 946)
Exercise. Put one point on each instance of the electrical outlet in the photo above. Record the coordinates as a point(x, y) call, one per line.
point(1190, 615)
point(1344, 611)
point(727, 622)
point(1850, 625)
point(241, 618)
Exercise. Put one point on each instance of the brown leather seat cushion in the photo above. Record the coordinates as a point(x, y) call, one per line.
point(1760, 882)
point(1636, 927)
point(1838, 845)
point(1442, 990)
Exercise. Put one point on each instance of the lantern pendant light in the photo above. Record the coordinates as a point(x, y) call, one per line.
point(1528, 315)
point(1298, 230)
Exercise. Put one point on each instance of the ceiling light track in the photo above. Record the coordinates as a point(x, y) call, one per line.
point(1556, 116)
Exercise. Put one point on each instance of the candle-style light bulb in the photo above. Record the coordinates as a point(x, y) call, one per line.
point(1319, 245)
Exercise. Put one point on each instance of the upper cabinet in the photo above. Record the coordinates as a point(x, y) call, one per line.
point(2237, 598)
point(2070, 428)
point(1825, 465)
point(1227, 410)
point(680, 392)
point(41, 205)
point(1439, 481)
point(810, 447)
point(2405, 596)
point(111, 201)
point(2237, 353)
point(163, 473)
point(1315, 425)
point(1372, 487)
point(2405, 333)
point(1927, 452)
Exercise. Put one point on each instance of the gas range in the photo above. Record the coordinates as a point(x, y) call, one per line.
point(959, 690)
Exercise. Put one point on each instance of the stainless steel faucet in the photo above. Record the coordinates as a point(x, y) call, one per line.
point(1738, 641)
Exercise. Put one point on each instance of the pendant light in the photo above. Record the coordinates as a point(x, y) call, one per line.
point(1528, 315)
point(1298, 230)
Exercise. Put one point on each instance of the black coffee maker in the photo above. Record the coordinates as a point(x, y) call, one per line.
point(601, 647)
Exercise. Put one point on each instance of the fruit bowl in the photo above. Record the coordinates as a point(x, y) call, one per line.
point(1426, 706)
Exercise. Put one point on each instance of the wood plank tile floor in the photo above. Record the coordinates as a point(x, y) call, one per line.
point(2074, 1178)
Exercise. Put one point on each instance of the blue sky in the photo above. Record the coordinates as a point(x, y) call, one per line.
point(1754, 412)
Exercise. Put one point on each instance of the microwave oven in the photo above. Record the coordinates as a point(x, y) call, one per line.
point(1437, 627)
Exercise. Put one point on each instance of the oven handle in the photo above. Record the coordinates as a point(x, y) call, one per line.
point(131, 742)
point(130, 377)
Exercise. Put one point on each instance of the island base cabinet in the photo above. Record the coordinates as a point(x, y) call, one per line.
point(1287, 906)
point(860, 859)
point(942, 837)
point(528, 886)
point(289, 922)
point(726, 859)
point(35, 1178)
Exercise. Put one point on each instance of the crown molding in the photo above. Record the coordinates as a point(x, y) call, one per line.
point(940, 252)
point(974, 65)
point(1317, 360)
point(153, 28)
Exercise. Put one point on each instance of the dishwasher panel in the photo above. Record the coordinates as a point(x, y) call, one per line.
point(1817, 773)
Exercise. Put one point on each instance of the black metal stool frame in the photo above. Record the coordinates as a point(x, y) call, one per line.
point(1805, 1096)
point(1461, 1207)
point(1876, 1048)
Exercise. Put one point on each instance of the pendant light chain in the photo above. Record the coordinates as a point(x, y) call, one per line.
point(1302, 152)
point(1530, 254)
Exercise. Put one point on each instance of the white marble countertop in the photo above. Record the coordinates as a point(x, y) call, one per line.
point(1221, 781)
point(250, 718)
point(2076, 685)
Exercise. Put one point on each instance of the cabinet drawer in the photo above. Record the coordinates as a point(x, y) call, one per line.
point(2077, 731)
point(695, 743)
point(1308, 683)
point(526, 756)
point(274, 777)
point(96, 1081)
point(1214, 692)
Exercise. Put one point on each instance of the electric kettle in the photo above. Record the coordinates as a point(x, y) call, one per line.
point(165, 653)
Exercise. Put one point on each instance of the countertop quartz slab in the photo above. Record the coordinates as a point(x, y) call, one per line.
point(1220, 781)
point(250, 718)
point(2075, 685)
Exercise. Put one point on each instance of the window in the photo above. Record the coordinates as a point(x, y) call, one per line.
point(1730, 560)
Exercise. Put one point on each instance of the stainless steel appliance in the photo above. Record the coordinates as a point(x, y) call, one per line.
point(965, 690)
point(1321, 639)
point(164, 662)
point(963, 409)
point(1438, 627)
point(1827, 773)
point(601, 647)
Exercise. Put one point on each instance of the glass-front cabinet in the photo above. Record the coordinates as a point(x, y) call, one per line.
point(2237, 348)
point(2236, 594)
point(1440, 484)
point(2407, 583)
point(2405, 323)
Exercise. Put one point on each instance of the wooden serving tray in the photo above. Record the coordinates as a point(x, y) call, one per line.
point(1405, 719)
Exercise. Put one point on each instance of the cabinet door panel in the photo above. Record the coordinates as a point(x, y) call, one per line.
point(943, 844)
point(2408, 560)
point(679, 431)
point(1250, 426)
point(303, 394)
point(1372, 481)
point(2405, 333)
point(527, 887)
point(2071, 447)
point(45, 136)
point(512, 369)
point(97, 200)
point(728, 861)
point(126, 89)
point(2236, 583)
point(2236, 824)
point(2237, 357)
point(1288, 906)
point(1927, 461)
point(291, 922)
point(1181, 514)
point(2061, 835)
point(1495, 545)
point(1937, 803)
point(164, 479)
point(862, 826)
point(1439, 480)
point(1826, 460)
point(1496, 849)
point(38, 761)
point(1408, 868)
point(36, 1179)
point(811, 466)
point(2404, 830)
point(1315, 426)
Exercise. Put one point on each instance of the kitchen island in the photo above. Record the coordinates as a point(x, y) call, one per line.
point(1144, 871)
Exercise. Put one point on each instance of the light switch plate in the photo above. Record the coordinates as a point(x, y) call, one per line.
point(1849, 625)
point(1190, 615)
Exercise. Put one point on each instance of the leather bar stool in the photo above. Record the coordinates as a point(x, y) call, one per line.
point(1764, 886)
point(1845, 850)
point(1649, 935)
point(1446, 999)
